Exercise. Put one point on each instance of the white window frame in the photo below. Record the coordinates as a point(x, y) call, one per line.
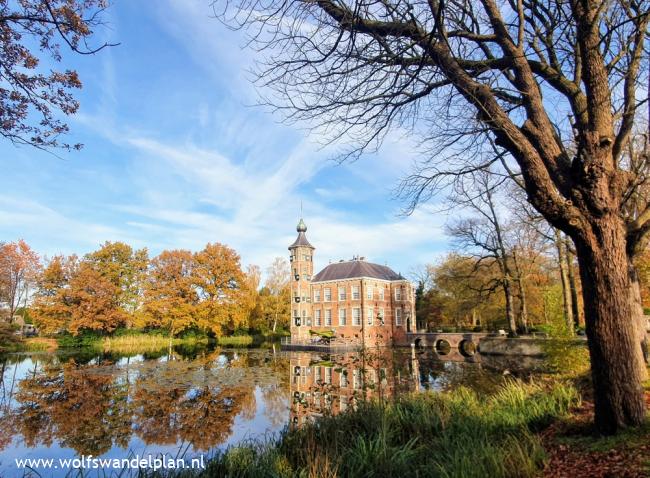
point(317, 317)
point(357, 379)
point(398, 293)
point(381, 293)
point(382, 313)
point(398, 317)
point(317, 295)
point(369, 293)
point(341, 293)
point(327, 294)
point(328, 317)
point(342, 315)
point(356, 294)
point(371, 316)
point(356, 316)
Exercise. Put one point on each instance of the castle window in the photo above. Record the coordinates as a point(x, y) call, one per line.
point(356, 316)
point(317, 318)
point(328, 317)
point(341, 293)
point(356, 379)
point(398, 293)
point(398, 317)
point(328, 374)
point(342, 317)
point(344, 403)
point(328, 294)
point(370, 315)
point(317, 295)
point(355, 292)
point(344, 378)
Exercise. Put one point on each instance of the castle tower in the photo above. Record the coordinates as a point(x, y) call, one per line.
point(301, 255)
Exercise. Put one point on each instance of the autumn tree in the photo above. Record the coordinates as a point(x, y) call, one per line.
point(170, 298)
point(472, 79)
point(19, 268)
point(125, 268)
point(224, 299)
point(465, 291)
point(94, 302)
point(32, 94)
point(100, 292)
point(52, 301)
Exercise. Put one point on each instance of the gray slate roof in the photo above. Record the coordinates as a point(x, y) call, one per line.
point(301, 240)
point(354, 269)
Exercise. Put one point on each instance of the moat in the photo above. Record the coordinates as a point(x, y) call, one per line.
point(193, 402)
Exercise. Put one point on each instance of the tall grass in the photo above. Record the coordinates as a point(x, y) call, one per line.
point(454, 434)
point(139, 343)
point(236, 341)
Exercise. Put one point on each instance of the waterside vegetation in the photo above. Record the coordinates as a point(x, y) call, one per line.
point(452, 434)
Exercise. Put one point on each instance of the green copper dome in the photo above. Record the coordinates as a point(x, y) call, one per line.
point(302, 227)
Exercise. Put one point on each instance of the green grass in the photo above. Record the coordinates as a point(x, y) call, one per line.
point(236, 341)
point(453, 434)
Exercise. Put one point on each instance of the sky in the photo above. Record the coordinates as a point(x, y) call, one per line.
point(176, 155)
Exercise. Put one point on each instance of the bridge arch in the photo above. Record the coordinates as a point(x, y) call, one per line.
point(467, 348)
point(442, 346)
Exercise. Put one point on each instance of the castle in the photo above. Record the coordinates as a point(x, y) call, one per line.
point(357, 302)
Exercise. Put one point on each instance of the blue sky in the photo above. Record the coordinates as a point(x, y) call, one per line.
point(175, 156)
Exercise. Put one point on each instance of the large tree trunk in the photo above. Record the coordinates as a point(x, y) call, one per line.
point(564, 279)
point(613, 346)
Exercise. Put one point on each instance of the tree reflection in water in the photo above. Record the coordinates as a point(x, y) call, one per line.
point(199, 398)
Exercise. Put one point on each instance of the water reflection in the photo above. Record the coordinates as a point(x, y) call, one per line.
point(332, 383)
point(66, 405)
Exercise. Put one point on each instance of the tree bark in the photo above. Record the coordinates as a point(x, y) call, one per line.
point(510, 315)
point(613, 345)
point(575, 306)
point(639, 318)
point(523, 306)
point(564, 279)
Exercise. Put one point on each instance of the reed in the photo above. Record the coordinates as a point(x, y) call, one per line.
point(236, 341)
point(447, 435)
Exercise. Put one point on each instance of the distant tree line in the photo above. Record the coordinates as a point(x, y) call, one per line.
point(117, 286)
point(509, 268)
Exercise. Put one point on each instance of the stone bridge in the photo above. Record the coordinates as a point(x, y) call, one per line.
point(444, 343)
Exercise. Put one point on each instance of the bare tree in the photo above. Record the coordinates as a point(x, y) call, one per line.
point(472, 79)
point(277, 281)
point(484, 234)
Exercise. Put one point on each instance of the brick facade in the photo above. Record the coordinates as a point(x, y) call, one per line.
point(364, 310)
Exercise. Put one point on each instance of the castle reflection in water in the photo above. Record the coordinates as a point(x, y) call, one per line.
point(324, 384)
point(190, 401)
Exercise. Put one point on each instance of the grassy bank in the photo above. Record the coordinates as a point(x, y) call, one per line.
point(453, 434)
point(127, 341)
point(145, 342)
